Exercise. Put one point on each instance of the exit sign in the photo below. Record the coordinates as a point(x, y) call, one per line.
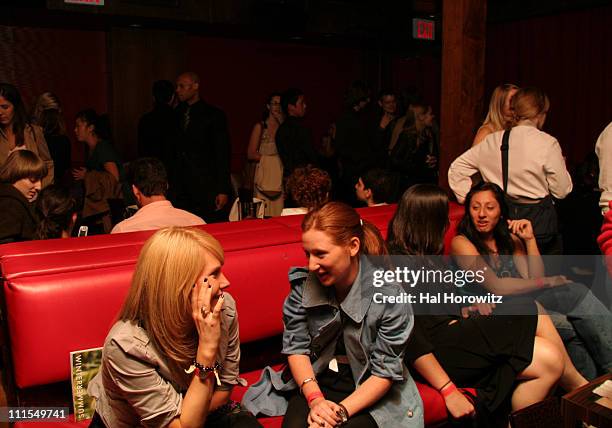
point(423, 29)
point(88, 2)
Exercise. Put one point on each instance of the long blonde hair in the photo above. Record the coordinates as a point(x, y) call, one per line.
point(495, 116)
point(159, 299)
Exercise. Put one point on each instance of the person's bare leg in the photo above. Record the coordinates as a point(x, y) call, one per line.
point(540, 377)
point(571, 377)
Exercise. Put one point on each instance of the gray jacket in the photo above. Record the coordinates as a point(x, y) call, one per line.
point(375, 338)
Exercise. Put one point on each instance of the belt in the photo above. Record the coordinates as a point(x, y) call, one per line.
point(523, 200)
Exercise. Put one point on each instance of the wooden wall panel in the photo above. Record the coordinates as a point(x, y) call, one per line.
point(463, 56)
point(138, 58)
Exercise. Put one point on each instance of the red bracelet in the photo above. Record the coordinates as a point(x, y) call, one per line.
point(313, 396)
point(448, 390)
point(539, 282)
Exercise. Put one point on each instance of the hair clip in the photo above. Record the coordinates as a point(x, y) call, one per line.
point(361, 222)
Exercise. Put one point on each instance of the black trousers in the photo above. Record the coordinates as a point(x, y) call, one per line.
point(336, 387)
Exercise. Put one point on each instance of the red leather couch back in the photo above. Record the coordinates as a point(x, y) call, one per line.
point(64, 295)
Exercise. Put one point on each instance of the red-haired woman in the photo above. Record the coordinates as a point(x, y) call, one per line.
point(345, 347)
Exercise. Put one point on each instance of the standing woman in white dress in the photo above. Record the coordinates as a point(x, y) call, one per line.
point(268, 180)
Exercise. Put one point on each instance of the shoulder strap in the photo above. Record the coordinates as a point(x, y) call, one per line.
point(504, 154)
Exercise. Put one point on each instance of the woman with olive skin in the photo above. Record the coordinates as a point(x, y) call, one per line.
point(20, 182)
point(486, 238)
point(16, 133)
point(172, 358)
point(345, 352)
point(460, 344)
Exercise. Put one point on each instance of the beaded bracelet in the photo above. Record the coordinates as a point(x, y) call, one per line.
point(201, 368)
point(204, 368)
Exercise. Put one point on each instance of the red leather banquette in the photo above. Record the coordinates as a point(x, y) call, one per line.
point(63, 295)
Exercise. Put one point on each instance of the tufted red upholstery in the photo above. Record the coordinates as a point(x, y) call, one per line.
point(63, 295)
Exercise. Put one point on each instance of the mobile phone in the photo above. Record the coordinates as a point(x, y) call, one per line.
point(83, 231)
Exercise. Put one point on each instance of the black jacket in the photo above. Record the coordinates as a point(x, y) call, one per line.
point(17, 219)
point(294, 145)
point(204, 153)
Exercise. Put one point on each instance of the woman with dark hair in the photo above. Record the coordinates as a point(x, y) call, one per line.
point(512, 361)
point(20, 181)
point(57, 213)
point(508, 252)
point(535, 168)
point(93, 130)
point(103, 175)
point(268, 175)
point(172, 357)
point(415, 154)
point(48, 115)
point(345, 352)
point(17, 133)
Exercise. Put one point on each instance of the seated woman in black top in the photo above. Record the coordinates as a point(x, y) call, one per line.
point(510, 360)
point(20, 181)
point(508, 252)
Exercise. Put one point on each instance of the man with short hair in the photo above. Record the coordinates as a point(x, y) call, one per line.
point(293, 140)
point(157, 129)
point(203, 181)
point(149, 182)
point(376, 187)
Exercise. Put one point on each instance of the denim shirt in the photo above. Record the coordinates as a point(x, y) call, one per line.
point(375, 337)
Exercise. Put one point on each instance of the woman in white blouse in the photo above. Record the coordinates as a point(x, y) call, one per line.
point(536, 168)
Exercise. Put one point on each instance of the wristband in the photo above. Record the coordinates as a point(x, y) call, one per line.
point(448, 390)
point(313, 396)
point(539, 282)
point(445, 385)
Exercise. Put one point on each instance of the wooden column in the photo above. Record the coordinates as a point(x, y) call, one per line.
point(463, 59)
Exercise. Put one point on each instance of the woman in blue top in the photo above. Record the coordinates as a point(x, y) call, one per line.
point(345, 350)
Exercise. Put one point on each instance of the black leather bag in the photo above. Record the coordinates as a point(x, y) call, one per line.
point(542, 214)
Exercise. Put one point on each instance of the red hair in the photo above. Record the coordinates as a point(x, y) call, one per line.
point(341, 223)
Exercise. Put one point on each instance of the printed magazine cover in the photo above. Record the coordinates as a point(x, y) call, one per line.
point(84, 365)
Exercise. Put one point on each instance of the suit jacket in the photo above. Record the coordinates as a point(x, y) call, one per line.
point(294, 145)
point(204, 151)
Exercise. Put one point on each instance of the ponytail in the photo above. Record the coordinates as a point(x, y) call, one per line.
point(341, 223)
point(55, 208)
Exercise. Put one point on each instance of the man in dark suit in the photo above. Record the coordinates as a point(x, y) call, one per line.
point(293, 140)
point(157, 129)
point(203, 180)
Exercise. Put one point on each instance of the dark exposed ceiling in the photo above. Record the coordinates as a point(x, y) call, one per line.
point(379, 24)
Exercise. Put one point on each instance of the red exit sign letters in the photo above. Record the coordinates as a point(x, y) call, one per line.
point(423, 29)
point(87, 2)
